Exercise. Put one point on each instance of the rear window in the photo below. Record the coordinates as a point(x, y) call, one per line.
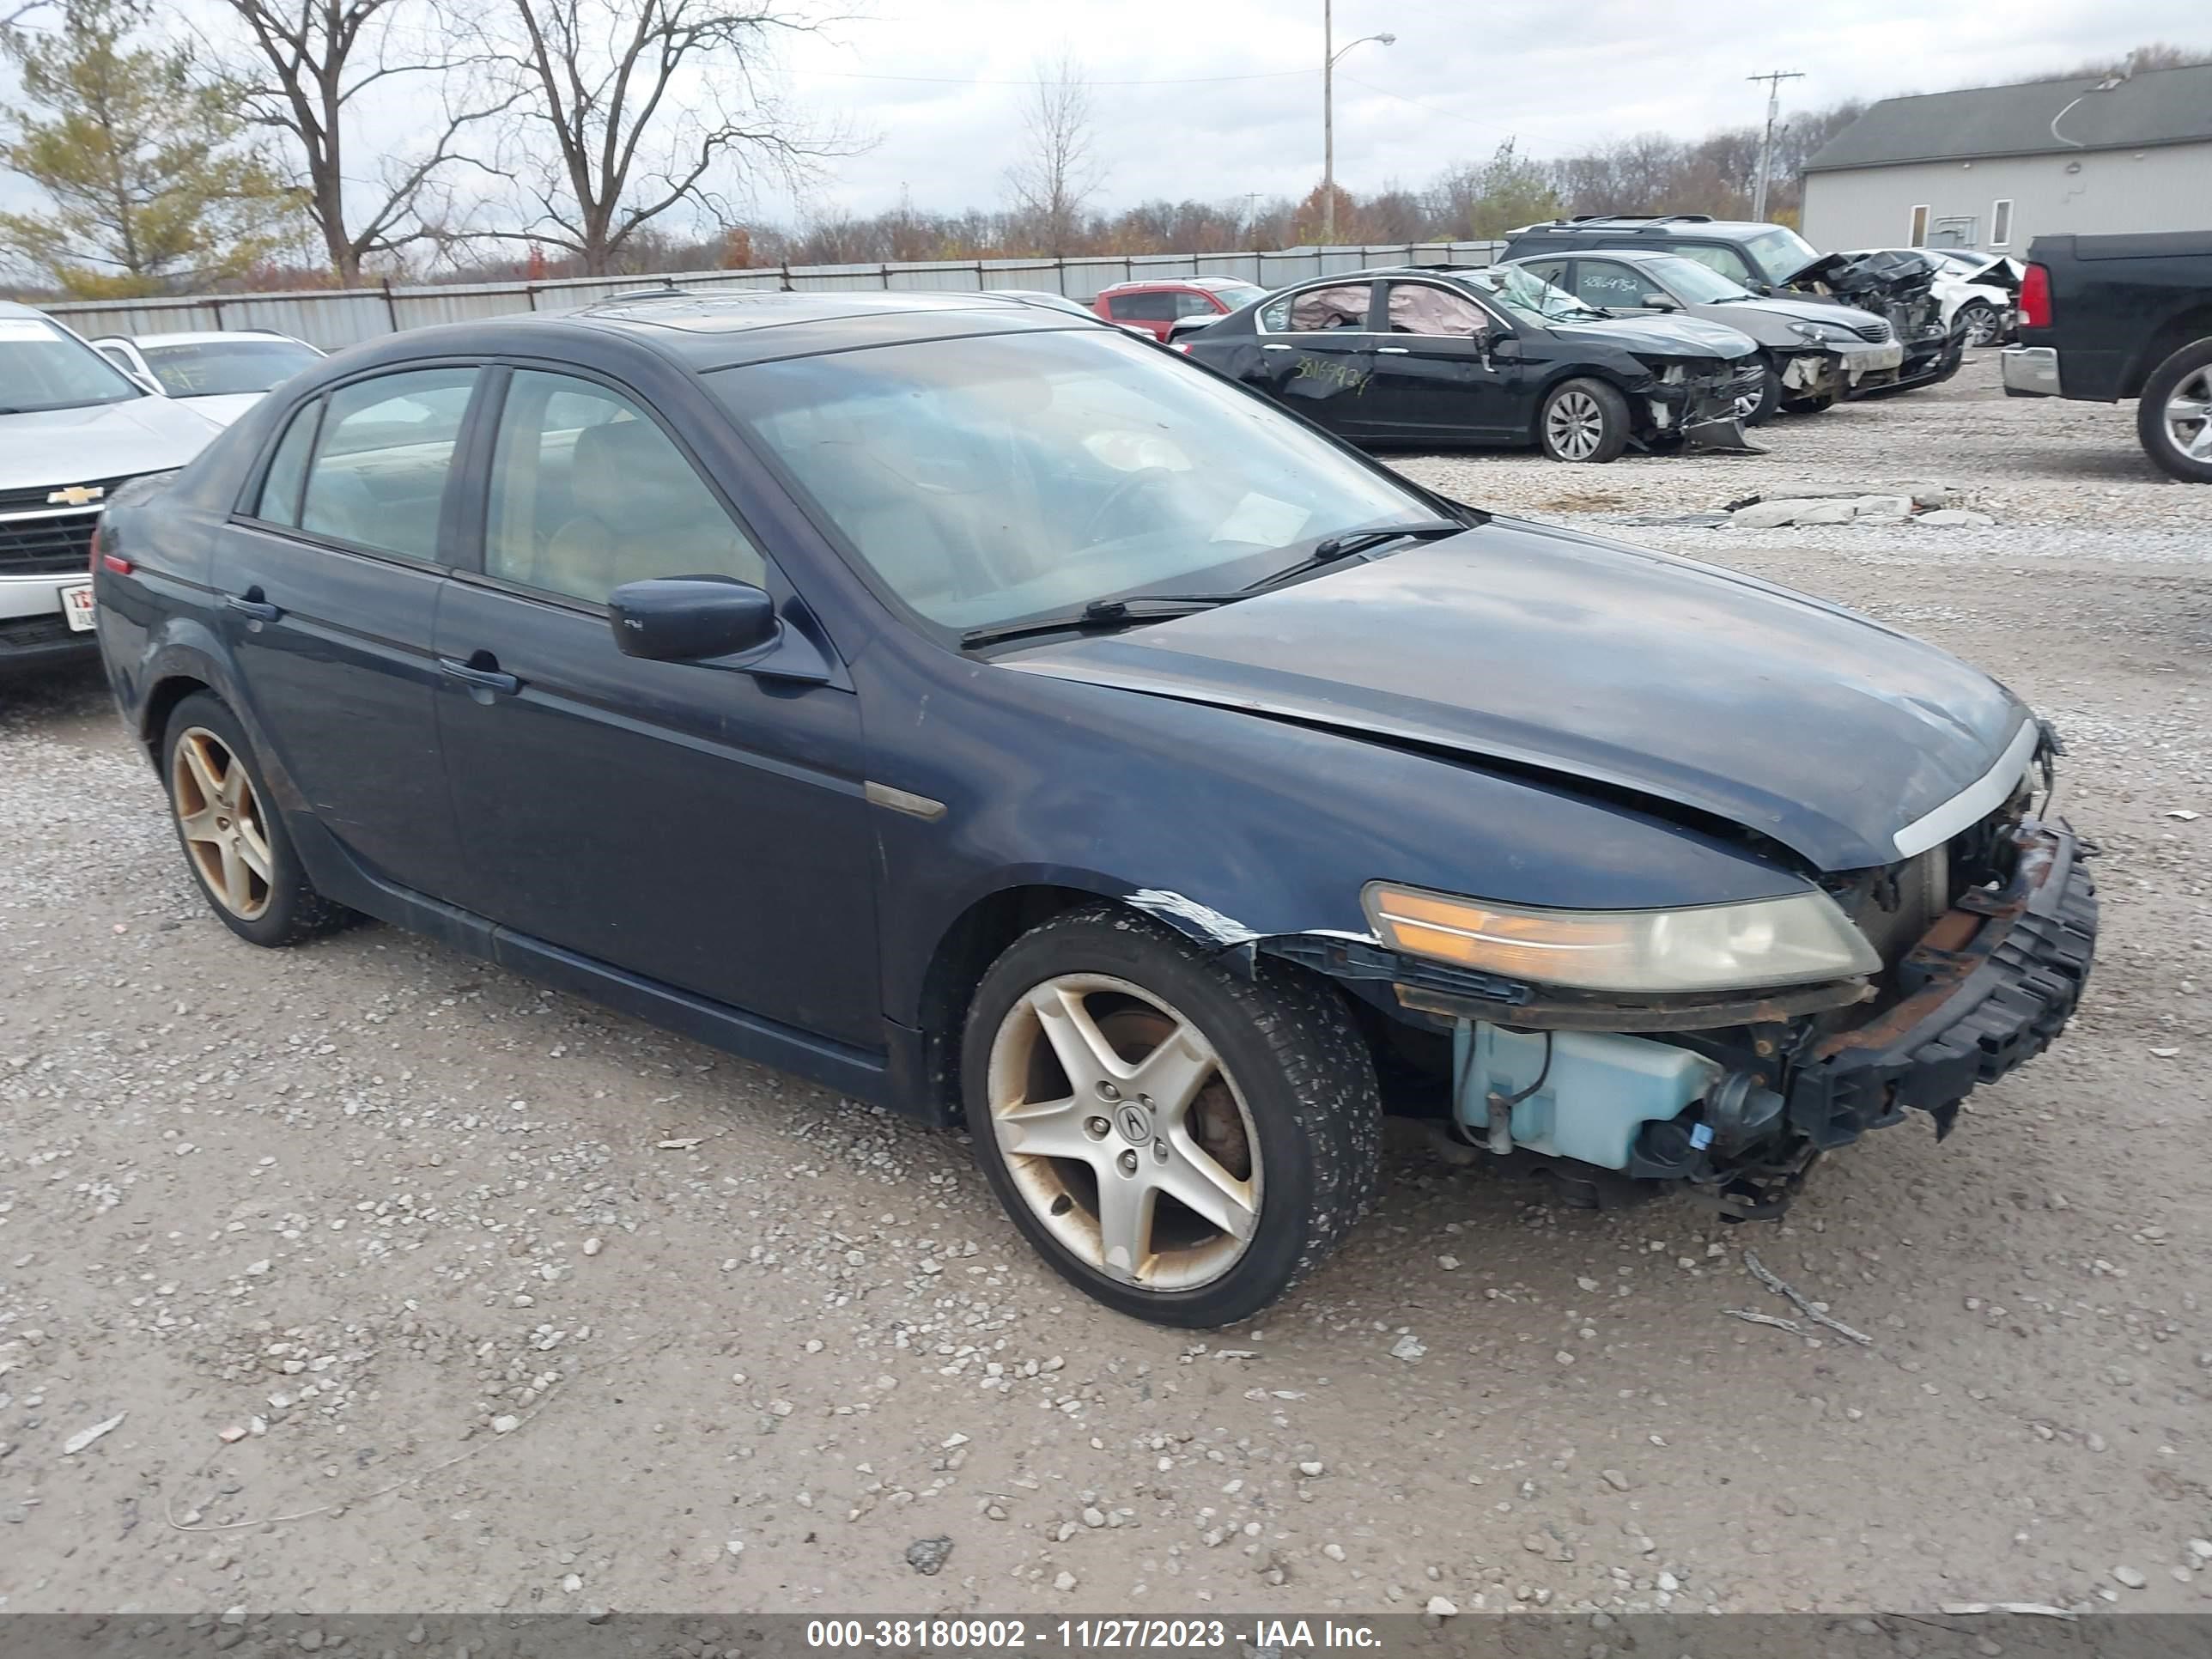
point(206, 368)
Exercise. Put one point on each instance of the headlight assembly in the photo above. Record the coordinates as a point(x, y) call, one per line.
point(1796, 940)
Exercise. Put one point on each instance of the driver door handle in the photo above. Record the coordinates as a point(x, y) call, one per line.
point(1394, 351)
point(1274, 348)
point(252, 606)
point(480, 679)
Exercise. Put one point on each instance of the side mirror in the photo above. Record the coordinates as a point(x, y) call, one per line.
point(690, 618)
point(1659, 303)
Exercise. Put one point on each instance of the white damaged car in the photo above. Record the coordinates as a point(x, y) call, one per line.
point(73, 429)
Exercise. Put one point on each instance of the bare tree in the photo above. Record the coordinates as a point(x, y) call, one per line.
point(633, 108)
point(313, 67)
point(1060, 172)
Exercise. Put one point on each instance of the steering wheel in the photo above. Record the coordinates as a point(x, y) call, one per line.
point(1151, 478)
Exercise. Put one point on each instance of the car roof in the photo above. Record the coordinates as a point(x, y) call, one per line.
point(1655, 224)
point(1630, 254)
point(707, 330)
point(1207, 282)
point(202, 336)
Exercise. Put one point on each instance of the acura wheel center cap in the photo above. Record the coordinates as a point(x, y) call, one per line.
point(1134, 1121)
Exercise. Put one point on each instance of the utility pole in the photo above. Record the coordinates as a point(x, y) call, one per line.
point(1774, 80)
point(1328, 56)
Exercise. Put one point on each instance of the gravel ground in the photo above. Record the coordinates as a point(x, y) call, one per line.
point(406, 1285)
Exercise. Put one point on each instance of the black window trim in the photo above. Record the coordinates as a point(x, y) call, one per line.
point(481, 437)
point(243, 513)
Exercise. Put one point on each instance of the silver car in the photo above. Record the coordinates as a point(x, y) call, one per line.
point(1815, 351)
point(73, 429)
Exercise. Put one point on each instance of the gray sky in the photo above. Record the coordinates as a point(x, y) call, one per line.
point(1460, 78)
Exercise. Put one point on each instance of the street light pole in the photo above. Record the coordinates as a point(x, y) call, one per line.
point(1329, 57)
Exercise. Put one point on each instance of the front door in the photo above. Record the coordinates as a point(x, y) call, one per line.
point(1438, 374)
point(331, 580)
point(1317, 355)
point(692, 824)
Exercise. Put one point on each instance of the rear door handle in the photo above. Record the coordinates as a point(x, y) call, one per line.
point(253, 609)
point(1394, 351)
point(480, 679)
point(1274, 348)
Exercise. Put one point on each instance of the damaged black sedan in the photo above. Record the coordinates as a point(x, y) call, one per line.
point(987, 715)
point(1486, 356)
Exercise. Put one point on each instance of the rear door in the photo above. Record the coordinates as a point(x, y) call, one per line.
point(1318, 354)
point(695, 824)
point(1434, 378)
point(331, 574)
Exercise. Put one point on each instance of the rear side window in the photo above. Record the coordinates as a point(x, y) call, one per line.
point(1187, 304)
point(288, 468)
point(379, 476)
point(1317, 309)
point(587, 493)
point(1158, 305)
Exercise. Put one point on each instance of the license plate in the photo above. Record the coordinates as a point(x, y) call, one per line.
point(77, 606)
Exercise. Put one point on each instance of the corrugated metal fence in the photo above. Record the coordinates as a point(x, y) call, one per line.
point(345, 317)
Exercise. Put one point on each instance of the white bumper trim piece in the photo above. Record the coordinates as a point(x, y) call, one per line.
point(1976, 801)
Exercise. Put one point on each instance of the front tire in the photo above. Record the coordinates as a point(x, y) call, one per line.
point(1180, 1142)
point(1760, 410)
point(1583, 421)
point(2174, 419)
point(1980, 321)
point(233, 839)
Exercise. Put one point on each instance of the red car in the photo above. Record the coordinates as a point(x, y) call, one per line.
point(1152, 305)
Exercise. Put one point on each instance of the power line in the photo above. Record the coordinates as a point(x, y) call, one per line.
point(1033, 81)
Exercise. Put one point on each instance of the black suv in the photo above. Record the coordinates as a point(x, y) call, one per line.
point(1771, 259)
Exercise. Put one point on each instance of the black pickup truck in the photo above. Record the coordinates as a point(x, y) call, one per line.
point(2104, 317)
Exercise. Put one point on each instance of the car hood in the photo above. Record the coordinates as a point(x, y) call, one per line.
point(106, 441)
point(1663, 337)
point(1805, 310)
point(222, 407)
point(1563, 655)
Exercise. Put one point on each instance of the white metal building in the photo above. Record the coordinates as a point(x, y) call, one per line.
point(1990, 167)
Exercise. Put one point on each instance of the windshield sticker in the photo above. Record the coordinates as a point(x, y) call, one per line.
point(1264, 521)
point(27, 328)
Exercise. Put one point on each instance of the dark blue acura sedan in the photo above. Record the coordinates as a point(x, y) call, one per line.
point(985, 713)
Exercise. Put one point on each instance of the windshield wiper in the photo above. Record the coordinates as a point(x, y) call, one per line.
point(1101, 614)
point(1330, 549)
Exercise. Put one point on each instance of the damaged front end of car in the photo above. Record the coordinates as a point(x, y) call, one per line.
point(1899, 286)
point(1977, 948)
point(1702, 403)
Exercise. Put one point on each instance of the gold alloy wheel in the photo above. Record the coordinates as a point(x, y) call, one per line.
point(1124, 1132)
point(220, 818)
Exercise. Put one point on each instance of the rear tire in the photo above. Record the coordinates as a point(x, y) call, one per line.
point(1583, 421)
point(233, 839)
point(1112, 1070)
point(2174, 419)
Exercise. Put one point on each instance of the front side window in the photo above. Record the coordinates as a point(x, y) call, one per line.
point(1190, 304)
point(1316, 310)
point(587, 493)
point(1694, 283)
point(1779, 255)
point(1235, 296)
point(985, 480)
point(1530, 298)
point(1423, 309)
point(207, 368)
point(43, 366)
point(386, 449)
point(1726, 260)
